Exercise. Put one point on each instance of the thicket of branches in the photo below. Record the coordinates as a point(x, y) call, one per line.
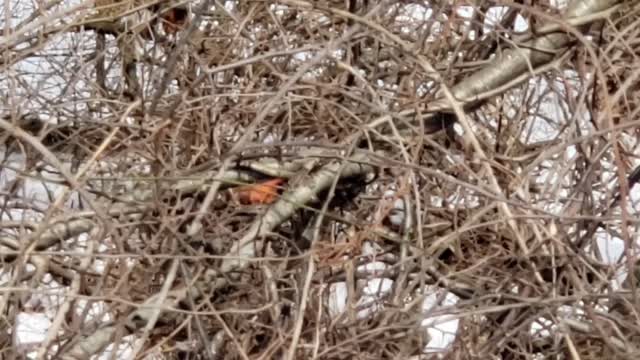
point(217, 191)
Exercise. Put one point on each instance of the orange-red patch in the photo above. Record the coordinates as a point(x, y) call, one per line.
point(261, 193)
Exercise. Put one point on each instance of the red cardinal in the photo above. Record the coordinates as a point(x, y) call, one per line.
point(260, 193)
point(173, 20)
